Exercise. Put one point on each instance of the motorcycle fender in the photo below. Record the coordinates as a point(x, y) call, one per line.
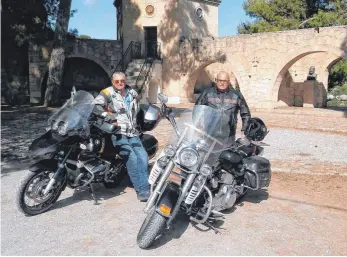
point(167, 200)
point(44, 164)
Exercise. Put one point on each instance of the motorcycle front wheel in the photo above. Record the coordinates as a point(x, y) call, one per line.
point(152, 227)
point(30, 198)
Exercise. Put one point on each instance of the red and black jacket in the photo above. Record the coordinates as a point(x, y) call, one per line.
point(229, 102)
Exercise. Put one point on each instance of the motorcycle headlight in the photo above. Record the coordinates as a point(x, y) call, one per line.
point(206, 170)
point(163, 161)
point(188, 157)
point(169, 151)
point(62, 130)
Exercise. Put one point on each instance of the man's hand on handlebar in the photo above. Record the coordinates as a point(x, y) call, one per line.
point(109, 117)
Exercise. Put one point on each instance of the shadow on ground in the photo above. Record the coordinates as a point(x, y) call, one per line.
point(101, 194)
point(182, 221)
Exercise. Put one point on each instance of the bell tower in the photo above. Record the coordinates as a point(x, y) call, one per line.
point(146, 21)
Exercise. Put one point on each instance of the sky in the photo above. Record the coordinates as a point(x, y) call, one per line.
point(97, 18)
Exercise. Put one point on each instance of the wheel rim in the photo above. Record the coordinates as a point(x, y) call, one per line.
point(33, 197)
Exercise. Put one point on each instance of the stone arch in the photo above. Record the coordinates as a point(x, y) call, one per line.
point(190, 85)
point(293, 57)
point(107, 74)
point(108, 71)
point(331, 63)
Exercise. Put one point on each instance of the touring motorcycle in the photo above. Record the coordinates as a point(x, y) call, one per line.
point(77, 151)
point(201, 172)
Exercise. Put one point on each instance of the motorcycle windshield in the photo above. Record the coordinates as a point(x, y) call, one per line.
point(74, 114)
point(204, 131)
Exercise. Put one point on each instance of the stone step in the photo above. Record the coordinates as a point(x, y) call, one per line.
point(141, 61)
point(134, 66)
point(132, 73)
point(135, 76)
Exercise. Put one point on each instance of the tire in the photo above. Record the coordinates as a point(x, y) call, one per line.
point(151, 228)
point(119, 178)
point(45, 204)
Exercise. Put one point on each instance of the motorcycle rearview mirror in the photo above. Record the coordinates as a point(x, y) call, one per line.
point(73, 92)
point(163, 98)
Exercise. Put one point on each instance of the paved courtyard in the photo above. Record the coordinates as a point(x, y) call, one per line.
point(302, 213)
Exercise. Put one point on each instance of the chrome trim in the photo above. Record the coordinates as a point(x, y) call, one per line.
point(157, 190)
point(257, 180)
point(207, 214)
point(186, 187)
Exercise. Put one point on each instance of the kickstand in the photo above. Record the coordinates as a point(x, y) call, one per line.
point(216, 231)
point(92, 192)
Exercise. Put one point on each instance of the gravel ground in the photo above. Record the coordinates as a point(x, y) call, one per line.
point(295, 217)
point(301, 145)
point(285, 144)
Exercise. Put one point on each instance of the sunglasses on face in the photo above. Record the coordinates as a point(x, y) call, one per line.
point(118, 81)
point(222, 81)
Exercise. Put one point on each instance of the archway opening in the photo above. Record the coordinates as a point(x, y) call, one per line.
point(82, 73)
point(303, 81)
point(337, 83)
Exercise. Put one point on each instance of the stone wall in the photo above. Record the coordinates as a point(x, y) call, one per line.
point(83, 74)
point(105, 54)
point(261, 61)
point(14, 75)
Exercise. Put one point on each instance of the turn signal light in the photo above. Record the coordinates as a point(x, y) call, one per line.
point(165, 209)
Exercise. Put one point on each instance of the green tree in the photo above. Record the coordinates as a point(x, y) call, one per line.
point(56, 63)
point(338, 74)
point(23, 21)
point(84, 37)
point(276, 15)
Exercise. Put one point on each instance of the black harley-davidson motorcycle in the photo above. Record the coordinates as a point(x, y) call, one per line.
point(77, 151)
point(202, 172)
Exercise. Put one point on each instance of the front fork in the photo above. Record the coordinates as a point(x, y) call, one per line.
point(56, 174)
point(159, 188)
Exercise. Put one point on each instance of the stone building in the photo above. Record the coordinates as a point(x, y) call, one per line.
point(172, 46)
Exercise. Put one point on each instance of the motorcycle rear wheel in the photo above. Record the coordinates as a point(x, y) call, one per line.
point(33, 186)
point(152, 227)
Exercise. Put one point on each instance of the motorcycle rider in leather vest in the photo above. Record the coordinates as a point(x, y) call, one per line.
point(224, 97)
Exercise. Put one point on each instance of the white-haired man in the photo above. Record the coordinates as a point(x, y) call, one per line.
point(119, 101)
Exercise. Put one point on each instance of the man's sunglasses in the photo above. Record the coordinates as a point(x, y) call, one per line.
point(220, 80)
point(118, 81)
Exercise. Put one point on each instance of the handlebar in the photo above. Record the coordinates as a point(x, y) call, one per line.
point(168, 113)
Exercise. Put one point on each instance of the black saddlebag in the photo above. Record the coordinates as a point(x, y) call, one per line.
point(260, 166)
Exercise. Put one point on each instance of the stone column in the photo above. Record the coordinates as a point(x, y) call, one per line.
point(310, 93)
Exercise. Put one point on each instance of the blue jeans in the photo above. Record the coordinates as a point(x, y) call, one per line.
point(136, 157)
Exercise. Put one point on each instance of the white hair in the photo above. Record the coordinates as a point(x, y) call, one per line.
point(118, 73)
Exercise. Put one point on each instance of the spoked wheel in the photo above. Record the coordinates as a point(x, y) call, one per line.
point(30, 197)
point(152, 227)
